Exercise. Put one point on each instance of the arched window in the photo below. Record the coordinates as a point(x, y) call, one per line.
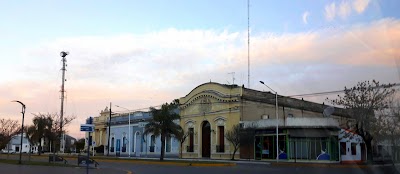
point(112, 145)
point(152, 143)
point(124, 144)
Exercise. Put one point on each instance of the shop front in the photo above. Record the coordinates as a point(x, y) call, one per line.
point(297, 145)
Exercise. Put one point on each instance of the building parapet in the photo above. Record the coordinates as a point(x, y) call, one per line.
point(294, 122)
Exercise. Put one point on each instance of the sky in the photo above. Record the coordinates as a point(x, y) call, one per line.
point(137, 54)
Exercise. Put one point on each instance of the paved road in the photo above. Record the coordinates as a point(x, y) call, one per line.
point(246, 168)
point(241, 168)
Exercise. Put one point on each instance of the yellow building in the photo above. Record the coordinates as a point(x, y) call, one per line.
point(100, 134)
point(207, 112)
point(212, 109)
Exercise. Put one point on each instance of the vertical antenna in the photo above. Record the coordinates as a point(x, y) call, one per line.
point(248, 43)
point(233, 77)
point(63, 54)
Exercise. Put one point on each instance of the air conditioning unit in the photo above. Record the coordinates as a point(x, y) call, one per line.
point(265, 117)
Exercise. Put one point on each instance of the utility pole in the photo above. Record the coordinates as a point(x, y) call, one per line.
point(63, 54)
point(109, 132)
point(248, 44)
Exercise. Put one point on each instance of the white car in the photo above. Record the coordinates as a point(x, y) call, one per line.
point(8, 151)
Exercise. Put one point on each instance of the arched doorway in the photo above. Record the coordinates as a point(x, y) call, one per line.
point(205, 139)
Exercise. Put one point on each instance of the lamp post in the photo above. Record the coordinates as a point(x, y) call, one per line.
point(277, 122)
point(22, 129)
point(129, 129)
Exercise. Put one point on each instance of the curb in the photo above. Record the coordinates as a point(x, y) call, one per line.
point(171, 163)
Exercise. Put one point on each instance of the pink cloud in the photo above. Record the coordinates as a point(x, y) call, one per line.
point(168, 64)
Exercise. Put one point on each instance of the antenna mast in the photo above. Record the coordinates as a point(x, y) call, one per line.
point(63, 54)
point(248, 43)
point(233, 77)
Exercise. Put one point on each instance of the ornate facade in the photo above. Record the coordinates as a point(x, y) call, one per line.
point(210, 110)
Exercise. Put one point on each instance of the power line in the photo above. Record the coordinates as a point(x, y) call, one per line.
point(334, 92)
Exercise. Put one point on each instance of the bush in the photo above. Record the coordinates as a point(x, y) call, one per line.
point(99, 149)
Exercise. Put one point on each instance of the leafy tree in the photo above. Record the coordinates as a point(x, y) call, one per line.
point(30, 132)
point(42, 124)
point(233, 136)
point(163, 123)
point(8, 128)
point(361, 102)
point(48, 126)
point(80, 144)
point(389, 121)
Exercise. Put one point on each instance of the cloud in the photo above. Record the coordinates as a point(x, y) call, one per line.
point(360, 5)
point(142, 70)
point(345, 9)
point(330, 11)
point(305, 17)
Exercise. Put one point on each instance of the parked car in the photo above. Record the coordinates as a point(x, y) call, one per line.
point(8, 151)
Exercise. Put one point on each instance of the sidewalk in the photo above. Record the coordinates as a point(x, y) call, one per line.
point(202, 160)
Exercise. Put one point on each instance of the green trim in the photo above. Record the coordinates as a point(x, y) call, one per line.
point(287, 146)
point(330, 151)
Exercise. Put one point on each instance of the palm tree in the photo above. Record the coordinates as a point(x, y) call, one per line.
point(163, 123)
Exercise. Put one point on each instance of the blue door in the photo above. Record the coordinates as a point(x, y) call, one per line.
point(118, 148)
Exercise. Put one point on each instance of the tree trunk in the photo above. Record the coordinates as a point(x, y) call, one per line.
point(54, 151)
point(40, 146)
point(180, 150)
point(234, 152)
point(162, 147)
point(369, 151)
point(30, 152)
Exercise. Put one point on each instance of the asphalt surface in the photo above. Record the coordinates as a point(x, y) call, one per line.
point(247, 169)
point(129, 167)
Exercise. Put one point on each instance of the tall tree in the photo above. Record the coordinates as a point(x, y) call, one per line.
point(80, 144)
point(30, 132)
point(42, 124)
point(164, 123)
point(389, 121)
point(8, 128)
point(362, 102)
point(48, 126)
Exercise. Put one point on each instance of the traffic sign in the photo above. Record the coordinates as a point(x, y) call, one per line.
point(87, 127)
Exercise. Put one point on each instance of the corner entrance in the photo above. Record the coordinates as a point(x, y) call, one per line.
point(205, 139)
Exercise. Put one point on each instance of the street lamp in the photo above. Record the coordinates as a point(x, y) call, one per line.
point(277, 123)
point(22, 129)
point(129, 129)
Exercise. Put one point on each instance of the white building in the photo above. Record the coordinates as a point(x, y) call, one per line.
point(15, 144)
point(352, 147)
